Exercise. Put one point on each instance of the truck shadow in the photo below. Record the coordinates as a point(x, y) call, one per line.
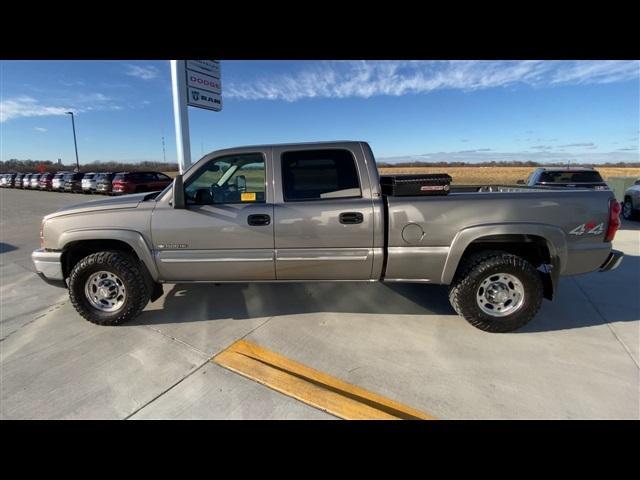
point(580, 302)
point(592, 299)
point(201, 302)
point(7, 247)
point(630, 225)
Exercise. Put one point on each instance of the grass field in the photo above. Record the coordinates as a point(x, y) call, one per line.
point(490, 175)
point(496, 175)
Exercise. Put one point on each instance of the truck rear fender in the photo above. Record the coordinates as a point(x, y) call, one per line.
point(543, 245)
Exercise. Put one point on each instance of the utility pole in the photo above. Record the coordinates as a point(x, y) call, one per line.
point(75, 142)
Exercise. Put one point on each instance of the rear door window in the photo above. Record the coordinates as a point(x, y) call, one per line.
point(319, 175)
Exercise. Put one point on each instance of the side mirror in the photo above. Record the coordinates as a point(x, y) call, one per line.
point(178, 193)
point(520, 182)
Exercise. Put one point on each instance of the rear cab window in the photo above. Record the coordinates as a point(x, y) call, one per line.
point(319, 175)
point(571, 177)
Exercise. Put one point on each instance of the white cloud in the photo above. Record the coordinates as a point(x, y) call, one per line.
point(146, 72)
point(41, 129)
point(364, 79)
point(597, 72)
point(25, 106)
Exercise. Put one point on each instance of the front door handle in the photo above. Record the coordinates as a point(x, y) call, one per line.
point(350, 218)
point(258, 219)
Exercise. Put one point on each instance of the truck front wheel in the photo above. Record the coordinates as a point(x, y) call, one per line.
point(108, 288)
point(496, 291)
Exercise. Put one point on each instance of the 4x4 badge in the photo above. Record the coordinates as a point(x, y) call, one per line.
point(588, 228)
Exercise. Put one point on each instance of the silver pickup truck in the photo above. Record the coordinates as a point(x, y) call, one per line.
point(316, 212)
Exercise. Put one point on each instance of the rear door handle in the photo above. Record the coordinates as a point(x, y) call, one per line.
point(350, 218)
point(258, 219)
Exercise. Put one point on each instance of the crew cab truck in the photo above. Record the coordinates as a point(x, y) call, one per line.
point(316, 212)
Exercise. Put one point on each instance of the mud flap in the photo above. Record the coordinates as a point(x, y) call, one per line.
point(549, 280)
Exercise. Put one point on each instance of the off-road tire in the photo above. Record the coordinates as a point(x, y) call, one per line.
point(462, 293)
point(124, 266)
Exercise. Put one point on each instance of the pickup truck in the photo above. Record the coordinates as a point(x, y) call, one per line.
point(580, 177)
point(316, 212)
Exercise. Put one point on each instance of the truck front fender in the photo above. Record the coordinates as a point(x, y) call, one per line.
point(553, 236)
point(132, 238)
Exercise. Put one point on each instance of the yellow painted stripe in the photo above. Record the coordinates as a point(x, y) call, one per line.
point(311, 386)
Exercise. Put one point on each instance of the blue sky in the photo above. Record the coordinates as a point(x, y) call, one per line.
point(470, 111)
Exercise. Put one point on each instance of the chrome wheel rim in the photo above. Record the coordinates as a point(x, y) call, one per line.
point(105, 291)
point(500, 294)
point(626, 209)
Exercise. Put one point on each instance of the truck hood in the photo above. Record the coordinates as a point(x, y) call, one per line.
point(113, 203)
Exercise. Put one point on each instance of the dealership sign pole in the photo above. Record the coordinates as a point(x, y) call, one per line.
point(194, 83)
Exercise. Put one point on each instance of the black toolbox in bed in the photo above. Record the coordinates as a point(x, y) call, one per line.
point(411, 185)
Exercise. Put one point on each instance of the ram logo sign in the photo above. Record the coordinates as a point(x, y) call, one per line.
point(204, 99)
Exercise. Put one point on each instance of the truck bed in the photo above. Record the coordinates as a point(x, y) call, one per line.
point(422, 231)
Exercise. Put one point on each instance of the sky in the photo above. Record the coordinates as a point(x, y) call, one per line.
point(574, 111)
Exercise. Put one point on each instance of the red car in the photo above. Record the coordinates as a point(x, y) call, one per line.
point(135, 182)
point(45, 181)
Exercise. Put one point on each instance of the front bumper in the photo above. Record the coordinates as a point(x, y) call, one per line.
point(613, 261)
point(48, 266)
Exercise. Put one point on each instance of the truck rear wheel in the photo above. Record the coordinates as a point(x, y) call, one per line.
point(108, 288)
point(497, 291)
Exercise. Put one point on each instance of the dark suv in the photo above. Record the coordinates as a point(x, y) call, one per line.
point(72, 182)
point(17, 182)
point(134, 182)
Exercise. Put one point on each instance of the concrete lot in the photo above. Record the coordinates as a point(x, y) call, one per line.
point(578, 359)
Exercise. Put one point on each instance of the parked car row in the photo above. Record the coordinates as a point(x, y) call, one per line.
point(107, 183)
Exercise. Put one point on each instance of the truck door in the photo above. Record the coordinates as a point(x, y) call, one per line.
point(323, 215)
point(226, 231)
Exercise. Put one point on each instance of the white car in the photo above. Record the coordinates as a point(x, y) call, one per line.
point(88, 182)
point(631, 202)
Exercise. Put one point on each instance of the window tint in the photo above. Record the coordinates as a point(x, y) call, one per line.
point(119, 176)
point(570, 177)
point(319, 174)
point(230, 179)
point(162, 177)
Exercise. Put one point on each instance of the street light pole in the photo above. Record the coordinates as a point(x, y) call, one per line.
point(75, 142)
